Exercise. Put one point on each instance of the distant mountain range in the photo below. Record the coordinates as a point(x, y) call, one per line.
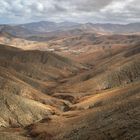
point(45, 27)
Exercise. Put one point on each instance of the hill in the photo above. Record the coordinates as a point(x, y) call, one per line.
point(25, 79)
point(87, 88)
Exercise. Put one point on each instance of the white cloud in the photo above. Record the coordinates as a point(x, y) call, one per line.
point(75, 10)
point(117, 6)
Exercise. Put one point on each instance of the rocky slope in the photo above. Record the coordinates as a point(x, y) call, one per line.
point(23, 75)
point(46, 96)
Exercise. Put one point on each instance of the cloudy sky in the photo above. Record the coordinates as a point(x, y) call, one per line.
point(96, 11)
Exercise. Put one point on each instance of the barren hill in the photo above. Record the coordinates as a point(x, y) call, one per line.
point(93, 95)
point(24, 75)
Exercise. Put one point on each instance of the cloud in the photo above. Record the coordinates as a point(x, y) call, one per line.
point(119, 11)
point(123, 11)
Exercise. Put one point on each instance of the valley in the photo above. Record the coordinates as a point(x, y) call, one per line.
point(81, 82)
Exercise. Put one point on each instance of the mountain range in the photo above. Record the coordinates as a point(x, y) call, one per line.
point(69, 81)
point(44, 27)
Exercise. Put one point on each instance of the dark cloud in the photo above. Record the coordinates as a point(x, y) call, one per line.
point(121, 11)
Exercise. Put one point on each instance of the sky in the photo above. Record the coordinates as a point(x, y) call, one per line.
point(82, 11)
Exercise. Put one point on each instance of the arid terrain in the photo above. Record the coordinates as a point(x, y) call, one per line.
point(72, 82)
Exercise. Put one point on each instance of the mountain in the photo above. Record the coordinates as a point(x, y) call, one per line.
point(110, 67)
point(73, 82)
point(46, 30)
point(112, 28)
point(47, 26)
point(47, 96)
point(17, 31)
point(37, 63)
point(41, 26)
point(25, 80)
point(35, 28)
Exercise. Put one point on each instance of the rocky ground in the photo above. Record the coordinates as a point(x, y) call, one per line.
point(44, 96)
